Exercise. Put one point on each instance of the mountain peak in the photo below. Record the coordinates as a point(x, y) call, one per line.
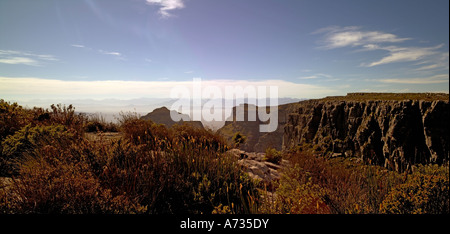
point(162, 115)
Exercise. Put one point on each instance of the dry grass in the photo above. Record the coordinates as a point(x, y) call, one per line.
point(147, 169)
point(315, 185)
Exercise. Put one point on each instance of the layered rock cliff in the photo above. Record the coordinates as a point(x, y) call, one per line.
point(256, 141)
point(380, 129)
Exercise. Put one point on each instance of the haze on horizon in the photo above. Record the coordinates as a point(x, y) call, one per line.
point(132, 49)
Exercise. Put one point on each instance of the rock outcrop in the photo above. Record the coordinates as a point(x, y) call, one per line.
point(384, 131)
point(257, 167)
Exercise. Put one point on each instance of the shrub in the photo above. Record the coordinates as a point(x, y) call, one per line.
point(94, 127)
point(318, 185)
point(26, 140)
point(298, 194)
point(97, 123)
point(151, 169)
point(198, 138)
point(238, 139)
point(177, 170)
point(47, 187)
point(273, 155)
point(63, 115)
point(178, 137)
point(139, 131)
point(424, 192)
point(12, 118)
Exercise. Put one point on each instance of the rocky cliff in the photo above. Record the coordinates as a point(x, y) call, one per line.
point(392, 130)
point(256, 141)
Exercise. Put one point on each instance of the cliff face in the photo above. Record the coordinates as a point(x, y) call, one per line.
point(256, 141)
point(391, 133)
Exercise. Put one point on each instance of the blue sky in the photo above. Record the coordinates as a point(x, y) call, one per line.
point(142, 48)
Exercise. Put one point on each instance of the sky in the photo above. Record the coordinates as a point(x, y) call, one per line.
point(124, 49)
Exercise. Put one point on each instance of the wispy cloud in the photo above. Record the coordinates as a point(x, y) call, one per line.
point(15, 57)
point(19, 60)
point(308, 77)
point(337, 37)
point(405, 54)
point(110, 53)
point(166, 6)
point(440, 61)
point(363, 41)
point(115, 54)
point(437, 79)
point(316, 76)
point(78, 46)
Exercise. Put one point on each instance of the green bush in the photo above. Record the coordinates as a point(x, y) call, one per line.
point(94, 127)
point(96, 123)
point(66, 116)
point(316, 184)
point(297, 193)
point(23, 143)
point(238, 139)
point(273, 155)
point(12, 118)
point(424, 192)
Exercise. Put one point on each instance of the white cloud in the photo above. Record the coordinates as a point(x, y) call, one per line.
point(78, 46)
point(308, 77)
point(115, 54)
point(19, 60)
point(437, 79)
point(25, 58)
point(167, 5)
point(316, 76)
point(37, 88)
point(337, 37)
point(46, 57)
point(428, 67)
point(363, 41)
point(110, 53)
point(436, 62)
point(405, 54)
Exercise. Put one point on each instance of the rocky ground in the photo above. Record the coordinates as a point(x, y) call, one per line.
point(257, 167)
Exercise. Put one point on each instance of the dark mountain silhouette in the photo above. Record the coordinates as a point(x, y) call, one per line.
point(162, 115)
